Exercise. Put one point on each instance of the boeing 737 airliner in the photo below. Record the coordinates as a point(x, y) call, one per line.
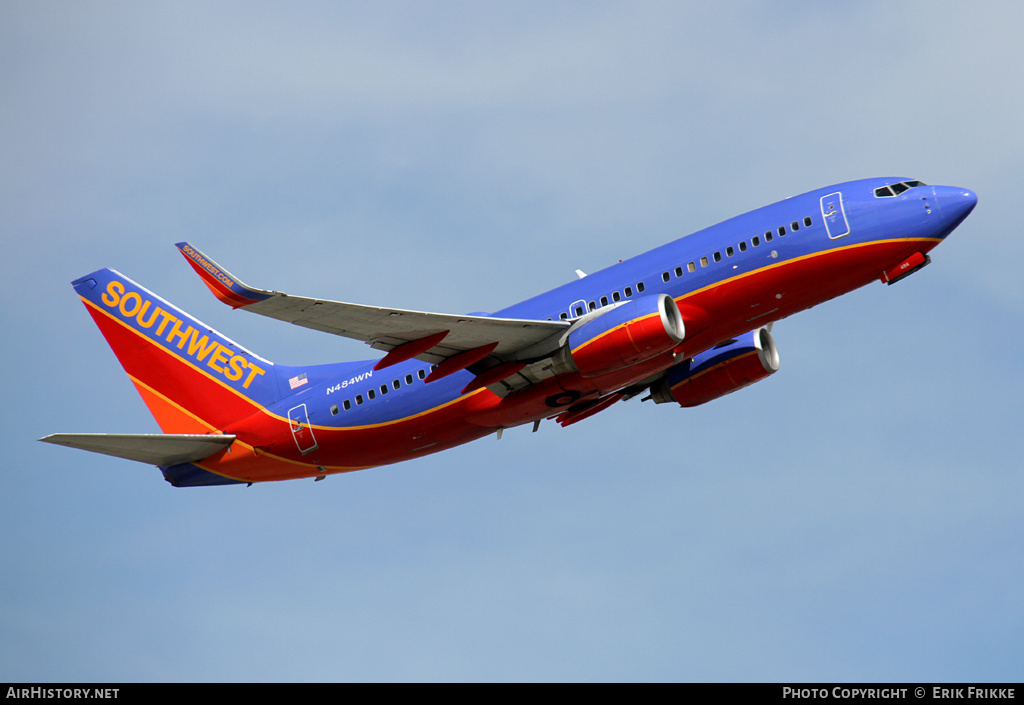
point(684, 323)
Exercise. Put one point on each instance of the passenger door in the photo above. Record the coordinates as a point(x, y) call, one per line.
point(302, 432)
point(834, 215)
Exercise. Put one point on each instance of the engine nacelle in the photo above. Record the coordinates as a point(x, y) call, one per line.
point(722, 369)
point(623, 335)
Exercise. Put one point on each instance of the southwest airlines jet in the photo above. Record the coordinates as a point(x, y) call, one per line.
point(685, 323)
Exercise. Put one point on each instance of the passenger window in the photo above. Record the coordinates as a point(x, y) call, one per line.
point(768, 236)
point(396, 384)
point(347, 404)
point(371, 395)
point(629, 291)
point(640, 286)
point(408, 379)
point(794, 226)
point(592, 305)
point(729, 252)
point(359, 399)
point(579, 311)
point(563, 315)
point(616, 296)
point(807, 221)
point(421, 374)
point(334, 410)
point(703, 261)
point(691, 267)
point(718, 256)
point(679, 271)
point(743, 246)
point(782, 230)
point(604, 300)
point(383, 389)
point(755, 241)
point(665, 276)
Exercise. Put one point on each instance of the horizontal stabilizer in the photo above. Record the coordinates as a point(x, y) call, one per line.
point(152, 448)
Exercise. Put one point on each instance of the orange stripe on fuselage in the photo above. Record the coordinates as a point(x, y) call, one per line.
point(932, 242)
point(731, 282)
point(743, 302)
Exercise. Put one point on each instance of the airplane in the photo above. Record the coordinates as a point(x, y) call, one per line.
point(685, 323)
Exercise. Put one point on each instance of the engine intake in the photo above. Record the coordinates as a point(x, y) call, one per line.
point(626, 334)
point(721, 370)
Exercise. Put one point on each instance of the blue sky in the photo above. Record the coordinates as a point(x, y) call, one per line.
point(858, 516)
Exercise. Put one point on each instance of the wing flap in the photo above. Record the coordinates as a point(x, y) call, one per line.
point(164, 449)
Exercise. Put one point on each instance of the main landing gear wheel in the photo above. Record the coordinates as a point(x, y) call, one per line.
point(562, 399)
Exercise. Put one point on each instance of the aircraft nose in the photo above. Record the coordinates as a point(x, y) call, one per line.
point(955, 203)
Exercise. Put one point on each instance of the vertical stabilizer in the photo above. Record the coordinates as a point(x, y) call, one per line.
point(192, 378)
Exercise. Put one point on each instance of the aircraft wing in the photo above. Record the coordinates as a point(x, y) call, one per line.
point(164, 449)
point(445, 335)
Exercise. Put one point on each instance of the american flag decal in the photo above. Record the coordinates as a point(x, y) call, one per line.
point(297, 381)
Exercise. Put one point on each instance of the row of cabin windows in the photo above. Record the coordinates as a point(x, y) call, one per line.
point(755, 241)
point(593, 306)
point(371, 394)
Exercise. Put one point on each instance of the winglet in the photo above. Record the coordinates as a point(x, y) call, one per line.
point(222, 283)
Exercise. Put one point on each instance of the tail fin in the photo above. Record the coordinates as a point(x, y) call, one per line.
point(193, 379)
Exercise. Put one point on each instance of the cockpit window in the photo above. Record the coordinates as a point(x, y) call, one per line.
point(887, 192)
point(894, 189)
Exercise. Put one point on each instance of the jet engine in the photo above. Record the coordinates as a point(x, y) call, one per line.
point(721, 370)
point(626, 334)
